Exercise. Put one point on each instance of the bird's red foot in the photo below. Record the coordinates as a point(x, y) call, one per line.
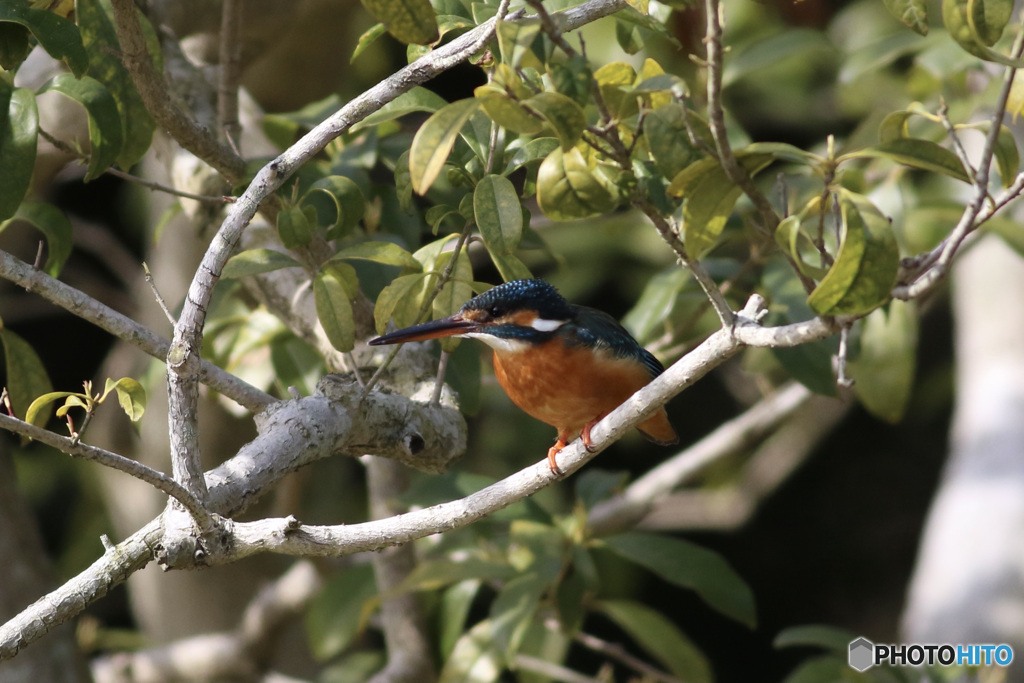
point(552, 452)
point(585, 434)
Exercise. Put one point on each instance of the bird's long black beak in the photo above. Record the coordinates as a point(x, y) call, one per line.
point(446, 327)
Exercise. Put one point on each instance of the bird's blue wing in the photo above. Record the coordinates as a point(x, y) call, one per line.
point(596, 329)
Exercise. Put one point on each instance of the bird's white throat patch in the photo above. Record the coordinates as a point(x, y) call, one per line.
point(499, 343)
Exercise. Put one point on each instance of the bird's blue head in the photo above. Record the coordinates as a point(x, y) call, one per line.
point(508, 317)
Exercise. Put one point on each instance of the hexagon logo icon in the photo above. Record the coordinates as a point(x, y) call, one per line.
point(862, 654)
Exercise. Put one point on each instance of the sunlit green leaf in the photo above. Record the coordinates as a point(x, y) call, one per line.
point(455, 605)
point(366, 40)
point(58, 36)
point(660, 637)
point(256, 261)
point(515, 39)
point(513, 610)
point(410, 21)
point(130, 394)
point(510, 267)
point(19, 128)
point(564, 116)
point(434, 140)
point(508, 112)
point(394, 301)
point(56, 228)
point(26, 376)
point(344, 207)
point(334, 308)
point(883, 371)
point(865, 268)
point(498, 213)
point(417, 99)
point(533, 151)
point(709, 196)
point(105, 134)
point(691, 566)
point(38, 412)
point(454, 293)
point(977, 24)
point(474, 659)
point(568, 189)
point(916, 153)
point(669, 140)
point(388, 253)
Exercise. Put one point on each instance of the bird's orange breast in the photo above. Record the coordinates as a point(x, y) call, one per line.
point(570, 386)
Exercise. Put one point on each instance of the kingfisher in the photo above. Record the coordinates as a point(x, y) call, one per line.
point(563, 364)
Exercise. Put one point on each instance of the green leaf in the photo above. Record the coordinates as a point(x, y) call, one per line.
point(510, 267)
point(884, 369)
point(988, 18)
point(515, 38)
point(660, 637)
point(915, 153)
point(417, 99)
point(345, 206)
point(58, 36)
point(833, 639)
point(651, 312)
point(296, 364)
point(533, 151)
point(506, 111)
point(615, 81)
point(513, 610)
point(333, 619)
point(19, 128)
point(912, 13)
point(256, 261)
point(293, 228)
point(334, 308)
point(977, 24)
point(105, 134)
point(690, 566)
point(564, 116)
point(434, 140)
point(431, 575)
point(865, 268)
point(95, 21)
point(369, 36)
point(828, 668)
point(388, 253)
point(56, 228)
point(573, 78)
point(455, 605)
point(669, 140)
point(454, 293)
point(410, 21)
point(130, 395)
point(474, 659)
point(708, 198)
point(26, 376)
point(38, 412)
point(14, 45)
point(396, 301)
point(498, 213)
point(568, 189)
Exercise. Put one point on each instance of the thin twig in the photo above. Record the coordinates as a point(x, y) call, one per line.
point(842, 379)
point(117, 173)
point(932, 267)
point(232, 16)
point(156, 294)
point(943, 113)
point(154, 478)
point(442, 368)
point(619, 654)
point(157, 100)
point(716, 114)
point(39, 255)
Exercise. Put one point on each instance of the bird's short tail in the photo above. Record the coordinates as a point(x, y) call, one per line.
point(659, 430)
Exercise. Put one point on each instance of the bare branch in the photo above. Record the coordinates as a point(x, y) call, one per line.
point(156, 97)
point(232, 15)
point(929, 269)
point(126, 329)
point(77, 449)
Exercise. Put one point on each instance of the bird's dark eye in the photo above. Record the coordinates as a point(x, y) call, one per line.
point(496, 311)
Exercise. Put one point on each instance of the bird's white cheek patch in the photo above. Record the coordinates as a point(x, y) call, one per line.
point(499, 343)
point(542, 325)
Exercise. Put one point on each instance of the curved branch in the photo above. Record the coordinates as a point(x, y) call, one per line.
point(77, 449)
point(126, 329)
